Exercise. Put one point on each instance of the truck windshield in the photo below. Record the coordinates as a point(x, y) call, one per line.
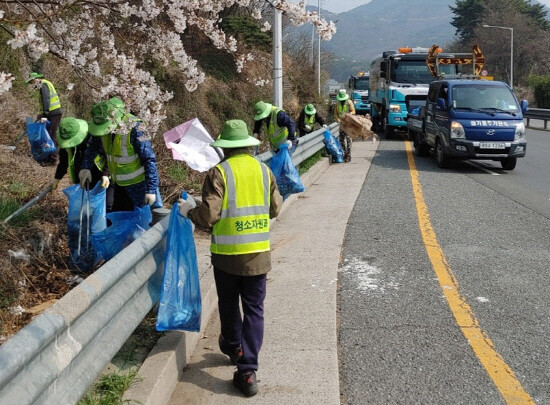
point(362, 83)
point(416, 71)
point(484, 97)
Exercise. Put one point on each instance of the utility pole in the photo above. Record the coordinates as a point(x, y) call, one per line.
point(511, 50)
point(277, 57)
point(319, 52)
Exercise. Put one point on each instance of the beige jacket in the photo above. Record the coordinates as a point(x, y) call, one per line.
point(208, 213)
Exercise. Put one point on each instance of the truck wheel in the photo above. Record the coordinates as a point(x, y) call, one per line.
point(509, 163)
point(388, 130)
point(441, 158)
point(420, 148)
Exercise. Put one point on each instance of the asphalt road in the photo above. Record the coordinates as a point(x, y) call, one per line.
point(399, 342)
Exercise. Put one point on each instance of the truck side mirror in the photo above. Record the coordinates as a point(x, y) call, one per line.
point(382, 66)
point(441, 103)
point(524, 106)
point(383, 75)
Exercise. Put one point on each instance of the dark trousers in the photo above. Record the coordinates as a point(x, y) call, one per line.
point(125, 198)
point(246, 331)
point(55, 120)
point(345, 141)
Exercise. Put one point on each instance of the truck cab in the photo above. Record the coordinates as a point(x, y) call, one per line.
point(359, 86)
point(472, 119)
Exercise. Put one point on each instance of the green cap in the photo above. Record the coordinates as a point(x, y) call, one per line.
point(34, 76)
point(342, 95)
point(235, 135)
point(71, 132)
point(310, 109)
point(106, 116)
point(261, 110)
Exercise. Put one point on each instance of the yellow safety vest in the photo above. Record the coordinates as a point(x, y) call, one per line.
point(309, 120)
point(244, 223)
point(124, 164)
point(55, 104)
point(99, 162)
point(277, 135)
point(342, 109)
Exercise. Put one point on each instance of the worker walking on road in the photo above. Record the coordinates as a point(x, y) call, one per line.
point(344, 106)
point(72, 138)
point(239, 196)
point(279, 127)
point(307, 119)
point(130, 158)
point(50, 106)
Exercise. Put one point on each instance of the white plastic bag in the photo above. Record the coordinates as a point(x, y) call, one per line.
point(190, 142)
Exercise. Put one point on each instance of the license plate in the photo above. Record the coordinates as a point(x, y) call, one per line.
point(492, 145)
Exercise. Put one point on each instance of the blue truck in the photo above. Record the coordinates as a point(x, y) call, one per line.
point(469, 119)
point(359, 85)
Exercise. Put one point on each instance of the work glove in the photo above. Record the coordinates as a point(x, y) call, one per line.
point(54, 183)
point(105, 181)
point(150, 199)
point(308, 128)
point(185, 205)
point(43, 120)
point(288, 144)
point(324, 125)
point(85, 176)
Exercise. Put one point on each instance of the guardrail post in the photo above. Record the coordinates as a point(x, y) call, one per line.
point(159, 213)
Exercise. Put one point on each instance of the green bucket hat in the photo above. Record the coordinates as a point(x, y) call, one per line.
point(34, 76)
point(310, 109)
point(106, 116)
point(235, 135)
point(71, 132)
point(261, 110)
point(342, 95)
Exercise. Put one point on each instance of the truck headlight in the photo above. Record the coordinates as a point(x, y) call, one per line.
point(520, 132)
point(457, 130)
point(355, 101)
point(395, 108)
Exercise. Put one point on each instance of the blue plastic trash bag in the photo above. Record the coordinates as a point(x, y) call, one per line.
point(288, 179)
point(333, 146)
point(88, 257)
point(41, 143)
point(180, 297)
point(123, 227)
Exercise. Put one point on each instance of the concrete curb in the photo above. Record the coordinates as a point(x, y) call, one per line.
point(162, 369)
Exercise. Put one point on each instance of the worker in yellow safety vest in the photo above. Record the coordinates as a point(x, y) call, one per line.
point(307, 119)
point(344, 106)
point(73, 138)
point(279, 127)
point(50, 108)
point(131, 161)
point(239, 196)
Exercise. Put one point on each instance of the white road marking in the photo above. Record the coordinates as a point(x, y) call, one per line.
point(478, 166)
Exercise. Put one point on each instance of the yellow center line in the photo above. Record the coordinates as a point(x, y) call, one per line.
point(501, 374)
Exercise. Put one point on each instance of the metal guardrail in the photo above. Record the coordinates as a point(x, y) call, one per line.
point(537, 114)
point(55, 358)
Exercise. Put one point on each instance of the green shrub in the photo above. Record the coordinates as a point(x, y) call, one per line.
point(541, 88)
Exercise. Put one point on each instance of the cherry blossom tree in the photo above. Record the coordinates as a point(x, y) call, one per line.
point(108, 43)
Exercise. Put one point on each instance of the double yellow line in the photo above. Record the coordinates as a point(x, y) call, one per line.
point(501, 374)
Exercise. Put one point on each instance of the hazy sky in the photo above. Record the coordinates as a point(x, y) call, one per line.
point(339, 6)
